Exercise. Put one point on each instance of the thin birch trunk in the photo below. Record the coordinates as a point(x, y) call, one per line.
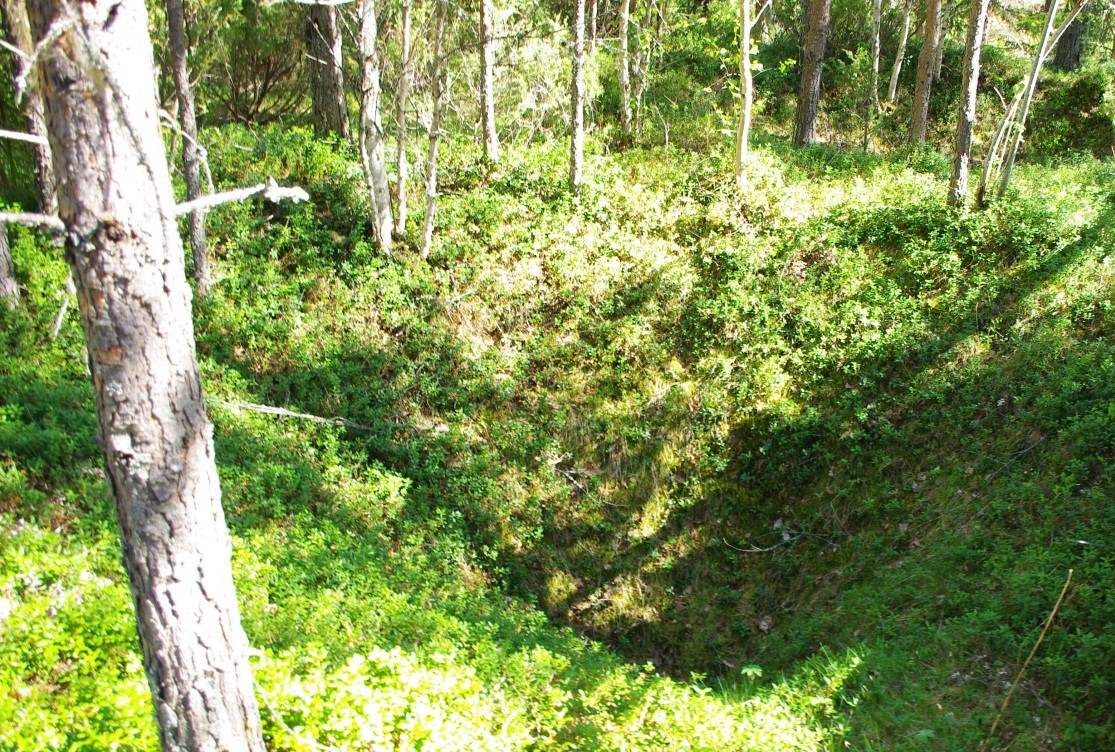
point(9, 287)
point(577, 145)
point(625, 67)
point(899, 56)
point(441, 88)
point(969, 89)
point(191, 152)
point(373, 151)
point(746, 88)
point(947, 9)
point(919, 121)
point(401, 97)
point(327, 85)
point(488, 82)
point(809, 95)
point(592, 26)
point(871, 101)
point(122, 243)
point(19, 28)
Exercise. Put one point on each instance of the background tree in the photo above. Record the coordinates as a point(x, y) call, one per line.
point(122, 241)
point(19, 31)
point(402, 94)
point(919, 119)
point(373, 151)
point(969, 90)
point(900, 53)
point(747, 93)
point(325, 64)
point(440, 76)
point(9, 287)
point(809, 93)
point(577, 90)
point(488, 82)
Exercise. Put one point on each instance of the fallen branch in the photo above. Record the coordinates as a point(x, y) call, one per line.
point(284, 413)
point(28, 137)
point(43, 221)
point(269, 190)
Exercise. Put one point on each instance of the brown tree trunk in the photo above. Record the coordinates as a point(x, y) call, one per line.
point(577, 145)
point(625, 67)
point(122, 242)
point(441, 89)
point(809, 95)
point(488, 83)
point(969, 88)
point(19, 29)
point(9, 288)
point(327, 85)
point(373, 151)
point(191, 149)
point(919, 121)
point(947, 9)
point(903, 37)
point(1067, 54)
point(401, 96)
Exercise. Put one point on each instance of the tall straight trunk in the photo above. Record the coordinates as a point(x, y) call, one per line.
point(441, 88)
point(644, 51)
point(747, 90)
point(947, 9)
point(373, 151)
point(625, 67)
point(191, 152)
point(1067, 54)
point(577, 91)
point(401, 97)
point(123, 246)
point(19, 29)
point(762, 20)
point(488, 82)
point(871, 101)
point(969, 89)
point(9, 288)
point(327, 84)
point(903, 37)
point(919, 120)
point(809, 95)
point(592, 25)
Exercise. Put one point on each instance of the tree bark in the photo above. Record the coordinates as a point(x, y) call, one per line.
point(577, 145)
point(373, 151)
point(903, 37)
point(969, 89)
point(123, 246)
point(1067, 54)
point(9, 287)
point(592, 26)
point(809, 95)
point(871, 101)
point(488, 83)
point(746, 89)
point(401, 96)
point(947, 9)
point(191, 149)
point(19, 28)
point(441, 89)
point(919, 120)
point(327, 85)
point(625, 68)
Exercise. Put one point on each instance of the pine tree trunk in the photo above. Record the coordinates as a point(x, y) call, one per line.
point(327, 85)
point(809, 95)
point(969, 89)
point(903, 38)
point(488, 83)
point(191, 151)
point(625, 67)
point(577, 145)
point(1069, 47)
point(747, 91)
point(919, 121)
point(441, 89)
point(9, 287)
point(19, 29)
point(122, 241)
point(401, 97)
point(373, 151)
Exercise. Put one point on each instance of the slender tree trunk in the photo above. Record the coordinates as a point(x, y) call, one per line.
point(762, 21)
point(592, 26)
point(947, 9)
point(373, 151)
point(903, 37)
point(1069, 47)
point(441, 89)
point(191, 152)
point(625, 67)
point(871, 101)
point(19, 28)
point(9, 288)
point(747, 91)
point(327, 85)
point(809, 95)
point(401, 119)
point(122, 242)
point(488, 82)
point(577, 145)
point(919, 121)
point(969, 88)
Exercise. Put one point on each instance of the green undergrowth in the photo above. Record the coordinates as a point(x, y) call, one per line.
point(823, 426)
